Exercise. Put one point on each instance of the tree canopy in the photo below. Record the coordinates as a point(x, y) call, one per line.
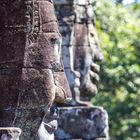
point(119, 92)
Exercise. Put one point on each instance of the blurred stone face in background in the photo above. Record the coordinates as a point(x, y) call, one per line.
point(80, 50)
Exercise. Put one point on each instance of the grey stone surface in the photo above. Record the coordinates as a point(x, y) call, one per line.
point(82, 123)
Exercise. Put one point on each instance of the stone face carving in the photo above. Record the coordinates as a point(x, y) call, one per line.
point(32, 76)
point(80, 48)
point(80, 51)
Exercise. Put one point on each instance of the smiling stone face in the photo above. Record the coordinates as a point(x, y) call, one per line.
point(32, 75)
point(80, 48)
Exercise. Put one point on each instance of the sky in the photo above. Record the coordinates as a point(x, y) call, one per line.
point(129, 1)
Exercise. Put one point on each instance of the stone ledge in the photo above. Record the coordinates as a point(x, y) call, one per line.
point(82, 123)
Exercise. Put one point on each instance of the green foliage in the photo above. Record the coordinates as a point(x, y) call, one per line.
point(119, 35)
